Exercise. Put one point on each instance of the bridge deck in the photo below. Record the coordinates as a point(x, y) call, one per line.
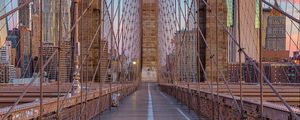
point(138, 107)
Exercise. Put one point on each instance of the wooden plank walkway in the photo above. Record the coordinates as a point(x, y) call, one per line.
point(148, 103)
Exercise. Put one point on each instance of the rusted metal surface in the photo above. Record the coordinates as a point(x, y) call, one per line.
point(71, 105)
point(201, 102)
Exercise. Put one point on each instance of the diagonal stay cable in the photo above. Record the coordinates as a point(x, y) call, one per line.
point(15, 9)
point(83, 61)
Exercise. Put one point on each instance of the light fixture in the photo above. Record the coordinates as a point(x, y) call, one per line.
point(134, 62)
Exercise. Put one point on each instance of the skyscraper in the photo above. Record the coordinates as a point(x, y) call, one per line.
point(149, 42)
point(274, 36)
point(7, 73)
point(13, 38)
point(50, 36)
point(24, 44)
point(87, 29)
point(275, 31)
point(4, 54)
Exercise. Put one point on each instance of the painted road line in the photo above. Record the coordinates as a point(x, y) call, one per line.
point(150, 107)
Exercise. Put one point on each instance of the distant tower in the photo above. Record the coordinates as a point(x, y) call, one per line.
point(24, 46)
point(275, 31)
point(87, 28)
point(149, 42)
point(216, 40)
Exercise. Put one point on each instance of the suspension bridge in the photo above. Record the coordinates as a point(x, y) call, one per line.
point(150, 59)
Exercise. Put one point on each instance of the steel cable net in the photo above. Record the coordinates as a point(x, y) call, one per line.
point(177, 39)
point(122, 27)
point(238, 47)
point(122, 30)
point(279, 41)
point(112, 34)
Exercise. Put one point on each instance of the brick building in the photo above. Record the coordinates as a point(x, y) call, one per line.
point(51, 68)
point(87, 29)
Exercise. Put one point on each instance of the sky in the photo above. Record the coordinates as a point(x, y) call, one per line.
point(13, 19)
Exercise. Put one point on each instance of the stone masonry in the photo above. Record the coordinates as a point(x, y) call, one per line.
point(216, 39)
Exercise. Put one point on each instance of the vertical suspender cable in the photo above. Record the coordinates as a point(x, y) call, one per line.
point(41, 60)
point(298, 36)
point(211, 81)
point(187, 57)
point(58, 56)
point(217, 62)
point(81, 63)
point(86, 79)
point(111, 48)
point(260, 60)
point(76, 50)
point(240, 57)
point(99, 55)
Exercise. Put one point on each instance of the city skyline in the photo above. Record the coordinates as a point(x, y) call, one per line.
point(13, 20)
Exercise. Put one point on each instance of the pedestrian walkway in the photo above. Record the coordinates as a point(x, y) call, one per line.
point(149, 103)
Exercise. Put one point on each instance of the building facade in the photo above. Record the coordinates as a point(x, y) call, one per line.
point(14, 37)
point(51, 68)
point(87, 28)
point(7, 73)
point(274, 36)
point(5, 54)
point(275, 32)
